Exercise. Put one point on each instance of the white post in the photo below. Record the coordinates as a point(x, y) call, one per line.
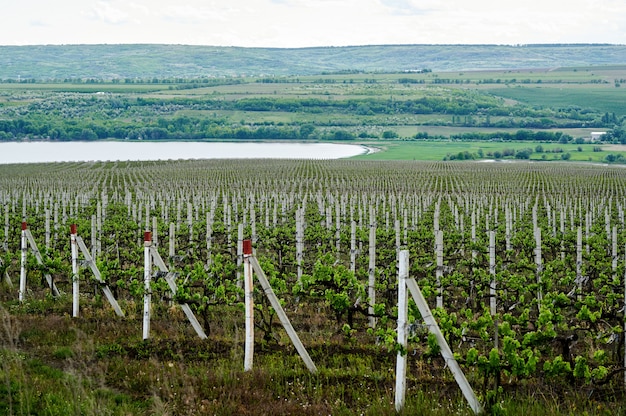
point(579, 261)
point(353, 246)
point(249, 305)
point(299, 241)
point(401, 359)
point(625, 322)
point(239, 252)
point(75, 282)
point(24, 248)
point(47, 225)
point(147, 271)
point(492, 271)
point(539, 264)
point(614, 248)
point(439, 270)
point(6, 227)
point(337, 229)
point(371, 286)
point(172, 238)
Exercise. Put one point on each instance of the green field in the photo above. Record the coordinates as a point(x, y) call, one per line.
point(428, 115)
point(439, 150)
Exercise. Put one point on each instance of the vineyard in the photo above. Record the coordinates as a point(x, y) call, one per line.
point(523, 265)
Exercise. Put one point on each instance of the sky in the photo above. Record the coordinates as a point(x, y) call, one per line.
point(307, 23)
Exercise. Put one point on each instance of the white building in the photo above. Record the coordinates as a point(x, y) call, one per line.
point(596, 136)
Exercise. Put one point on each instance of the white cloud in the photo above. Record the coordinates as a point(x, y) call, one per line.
point(296, 23)
point(108, 12)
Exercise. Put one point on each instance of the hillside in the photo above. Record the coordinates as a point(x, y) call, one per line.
point(46, 62)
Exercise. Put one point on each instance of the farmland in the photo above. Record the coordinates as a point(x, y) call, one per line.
point(530, 283)
point(521, 108)
point(522, 259)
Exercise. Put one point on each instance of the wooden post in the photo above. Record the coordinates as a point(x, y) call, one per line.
point(172, 237)
point(337, 230)
point(353, 246)
point(6, 227)
point(539, 264)
point(24, 249)
point(239, 253)
point(439, 269)
point(155, 232)
point(209, 236)
point(147, 295)
point(403, 274)
point(371, 286)
point(579, 263)
point(47, 225)
point(614, 248)
point(249, 305)
point(492, 271)
point(75, 281)
point(299, 241)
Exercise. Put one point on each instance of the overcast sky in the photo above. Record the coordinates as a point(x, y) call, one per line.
point(302, 23)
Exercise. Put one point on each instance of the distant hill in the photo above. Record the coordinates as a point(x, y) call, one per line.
point(167, 61)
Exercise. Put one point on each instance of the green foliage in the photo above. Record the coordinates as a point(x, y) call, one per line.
point(336, 285)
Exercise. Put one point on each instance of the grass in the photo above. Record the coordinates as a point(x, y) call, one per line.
point(438, 150)
point(98, 364)
point(603, 98)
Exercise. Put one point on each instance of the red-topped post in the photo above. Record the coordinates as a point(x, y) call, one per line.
point(249, 304)
point(247, 247)
point(147, 295)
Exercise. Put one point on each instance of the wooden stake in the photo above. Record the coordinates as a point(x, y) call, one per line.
point(147, 272)
point(24, 250)
point(401, 359)
point(75, 281)
point(249, 305)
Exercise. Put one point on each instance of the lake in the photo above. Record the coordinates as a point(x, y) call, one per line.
point(36, 152)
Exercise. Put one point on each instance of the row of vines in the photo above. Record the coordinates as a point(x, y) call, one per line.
point(525, 262)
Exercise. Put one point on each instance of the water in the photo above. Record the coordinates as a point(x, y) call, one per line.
point(36, 152)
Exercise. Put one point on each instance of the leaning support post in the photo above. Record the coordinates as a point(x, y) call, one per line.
point(446, 353)
point(249, 305)
point(27, 239)
point(169, 278)
point(96, 272)
point(147, 295)
point(75, 281)
point(284, 320)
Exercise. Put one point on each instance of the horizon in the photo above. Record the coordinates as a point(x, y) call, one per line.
point(326, 46)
